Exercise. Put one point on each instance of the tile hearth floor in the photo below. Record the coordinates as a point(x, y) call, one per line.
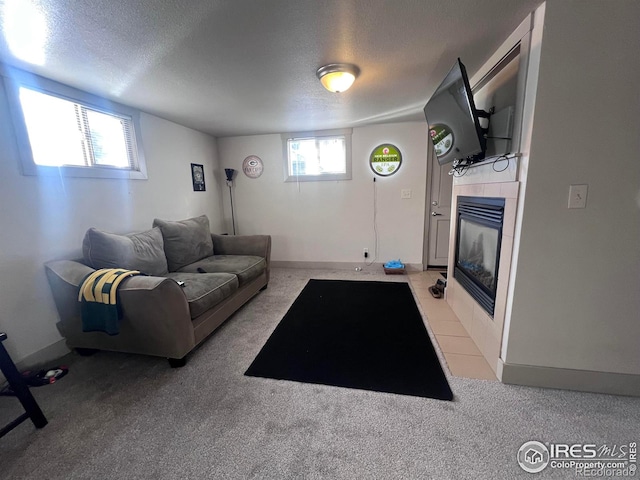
point(463, 357)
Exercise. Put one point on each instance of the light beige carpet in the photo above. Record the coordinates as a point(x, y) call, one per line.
point(119, 416)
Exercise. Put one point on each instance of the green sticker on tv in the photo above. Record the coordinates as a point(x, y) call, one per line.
point(385, 160)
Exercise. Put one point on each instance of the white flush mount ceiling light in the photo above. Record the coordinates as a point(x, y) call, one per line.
point(337, 77)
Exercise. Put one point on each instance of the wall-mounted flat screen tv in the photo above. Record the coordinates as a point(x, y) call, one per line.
point(454, 127)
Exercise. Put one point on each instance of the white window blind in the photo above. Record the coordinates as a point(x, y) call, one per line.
point(316, 156)
point(64, 131)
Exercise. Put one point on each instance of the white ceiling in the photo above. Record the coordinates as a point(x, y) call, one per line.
point(237, 67)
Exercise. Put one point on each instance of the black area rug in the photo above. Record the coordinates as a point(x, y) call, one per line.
point(355, 334)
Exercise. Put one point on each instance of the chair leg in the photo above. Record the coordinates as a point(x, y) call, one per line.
point(177, 362)
point(21, 391)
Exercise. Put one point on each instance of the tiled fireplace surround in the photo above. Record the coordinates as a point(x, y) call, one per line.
point(485, 331)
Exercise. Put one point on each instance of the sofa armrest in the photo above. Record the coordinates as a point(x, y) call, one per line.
point(156, 318)
point(71, 273)
point(258, 245)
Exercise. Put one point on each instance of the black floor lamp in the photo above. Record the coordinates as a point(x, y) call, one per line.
point(230, 172)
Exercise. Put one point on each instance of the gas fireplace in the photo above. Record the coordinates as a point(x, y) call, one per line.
point(479, 237)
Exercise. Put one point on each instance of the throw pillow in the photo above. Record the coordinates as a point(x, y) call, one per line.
point(185, 241)
point(142, 251)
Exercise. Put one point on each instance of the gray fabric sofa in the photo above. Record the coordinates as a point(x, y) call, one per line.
point(159, 316)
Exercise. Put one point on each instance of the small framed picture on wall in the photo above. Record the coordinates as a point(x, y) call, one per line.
point(197, 175)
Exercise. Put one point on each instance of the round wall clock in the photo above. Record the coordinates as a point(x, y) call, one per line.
point(252, 166)
point(385, 159)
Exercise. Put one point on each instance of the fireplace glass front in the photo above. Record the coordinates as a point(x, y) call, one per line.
point(478, 242)
point(477, 252)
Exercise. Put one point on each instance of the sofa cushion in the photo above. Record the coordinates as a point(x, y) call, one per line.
point(136, 251)
point(205, 290)
point(246, 267)
point(185, 241)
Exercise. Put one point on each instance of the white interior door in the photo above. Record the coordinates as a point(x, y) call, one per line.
point(438, 213)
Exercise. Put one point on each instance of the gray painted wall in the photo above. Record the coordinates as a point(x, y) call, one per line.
point(576, 302)
point(332, 221)
point(45, 218)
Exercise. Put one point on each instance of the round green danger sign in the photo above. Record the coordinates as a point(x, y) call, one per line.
point(385, 160)
point(442, 138)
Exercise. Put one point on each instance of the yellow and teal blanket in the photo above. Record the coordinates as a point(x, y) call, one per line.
point(98, 296)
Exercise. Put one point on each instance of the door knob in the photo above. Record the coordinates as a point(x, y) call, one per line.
point(434, 203)
point(434, 214)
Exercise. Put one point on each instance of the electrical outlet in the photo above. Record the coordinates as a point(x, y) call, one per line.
point(405, 193)
point(366, 253)
point(578, 196)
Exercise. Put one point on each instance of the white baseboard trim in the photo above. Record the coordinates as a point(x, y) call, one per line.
point(410, 267)
point(568, 379)
point(44, 356)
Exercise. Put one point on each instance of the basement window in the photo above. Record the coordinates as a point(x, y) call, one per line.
point(317, 156)
point(64, 131)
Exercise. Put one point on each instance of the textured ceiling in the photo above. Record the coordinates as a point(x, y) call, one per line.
point(238, 67)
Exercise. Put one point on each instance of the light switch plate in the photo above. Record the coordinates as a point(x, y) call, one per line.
point(405, 193)
point(578, 196)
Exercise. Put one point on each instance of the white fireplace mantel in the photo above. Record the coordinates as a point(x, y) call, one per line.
point(485, 331)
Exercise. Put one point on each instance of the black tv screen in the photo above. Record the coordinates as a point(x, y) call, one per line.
point(454, 128)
